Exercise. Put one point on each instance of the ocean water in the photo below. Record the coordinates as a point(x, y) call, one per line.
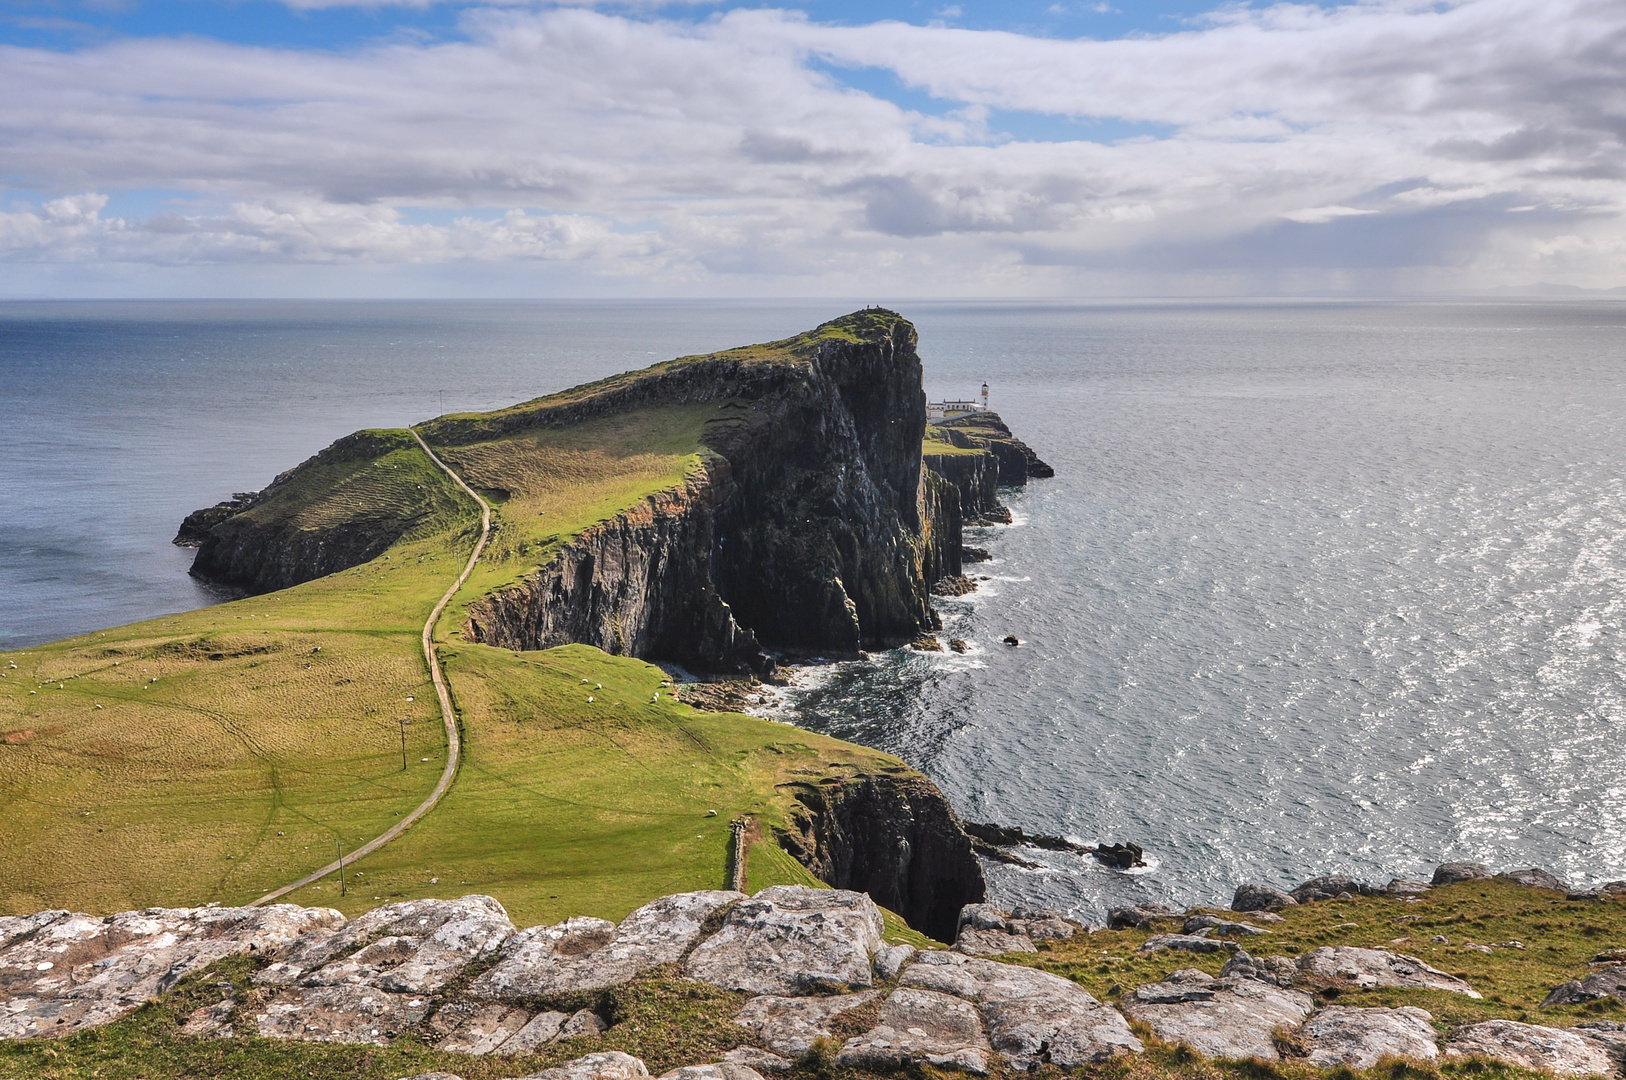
point(1317, 587)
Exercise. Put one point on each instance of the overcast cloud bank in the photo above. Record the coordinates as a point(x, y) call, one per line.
point(1375, 147)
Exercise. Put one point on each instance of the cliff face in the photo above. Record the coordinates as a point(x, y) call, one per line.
point(339, 509)
point(816, 529)
point(637, 585)
point(816, 526)
point(894, 837)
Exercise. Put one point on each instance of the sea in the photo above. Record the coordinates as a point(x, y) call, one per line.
point(1318, 587)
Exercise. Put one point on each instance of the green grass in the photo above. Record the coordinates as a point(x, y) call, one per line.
point(1559, 937)
point(273, 731)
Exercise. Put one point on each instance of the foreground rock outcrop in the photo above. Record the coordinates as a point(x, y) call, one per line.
point(807, 970)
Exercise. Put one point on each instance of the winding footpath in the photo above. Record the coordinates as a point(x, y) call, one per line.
point(454, 743)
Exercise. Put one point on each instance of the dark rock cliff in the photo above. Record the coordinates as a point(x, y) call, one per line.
point(817, 530)
point(986, 431)
point(894, 837)
point(339, 509)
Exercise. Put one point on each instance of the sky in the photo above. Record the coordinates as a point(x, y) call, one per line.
point(909, 149)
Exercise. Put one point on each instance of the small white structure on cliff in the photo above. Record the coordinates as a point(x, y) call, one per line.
point(937, 411)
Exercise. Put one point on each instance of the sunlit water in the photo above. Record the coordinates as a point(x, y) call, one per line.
point(1317, 587)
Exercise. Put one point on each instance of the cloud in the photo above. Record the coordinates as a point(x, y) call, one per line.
point(701, 150)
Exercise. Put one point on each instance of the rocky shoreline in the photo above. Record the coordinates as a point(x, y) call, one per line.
point(813, 976)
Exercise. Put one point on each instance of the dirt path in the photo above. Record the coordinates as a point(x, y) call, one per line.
point(454, 742)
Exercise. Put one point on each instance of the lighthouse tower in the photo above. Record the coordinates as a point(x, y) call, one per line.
point(984, 397)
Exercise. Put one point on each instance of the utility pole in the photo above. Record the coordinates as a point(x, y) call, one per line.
point(342, 889)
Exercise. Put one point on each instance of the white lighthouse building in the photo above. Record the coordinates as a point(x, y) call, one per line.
point(938, 411)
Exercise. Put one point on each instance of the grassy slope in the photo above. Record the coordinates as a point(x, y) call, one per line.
point(272, 731)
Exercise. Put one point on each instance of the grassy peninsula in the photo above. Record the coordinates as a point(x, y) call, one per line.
point(217, 754)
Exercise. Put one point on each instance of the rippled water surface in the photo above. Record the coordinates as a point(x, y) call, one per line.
point(1318, 587)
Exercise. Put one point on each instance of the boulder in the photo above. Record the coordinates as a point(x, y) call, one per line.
point(760, 1060)
point(1452, 872)
point(1607, 983)
point(1036, 924)
point(542, 1029)
point(1218, 927)
point(1367, 968)
point(1251, 897)
point(921, 1027)
point(1185, 943)
point(889, 960)
point(1609, 1036)
point(376, 992)
point(1609, 890)
point(790, 939)
point(1534, 878)
point(1135, 918)
point(974, 942)
point(343, 1014)
point(471, 1027)
point(583, 1023)
point(589, 954)
point(1030, 1016)
point(1232, 1018)
point(789, 1025)
point(446, 936)
point(1544, 1049)
point(721, 1070)
point(1280, 970)
point(62, 972)
point(610, 1065)
point(1328, 887)
point(1406, 887)
point(1357, 1038)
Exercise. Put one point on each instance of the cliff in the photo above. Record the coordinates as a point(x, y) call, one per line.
point(894, 837)
point(812, 523)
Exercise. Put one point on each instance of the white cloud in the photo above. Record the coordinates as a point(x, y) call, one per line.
point(691, 152)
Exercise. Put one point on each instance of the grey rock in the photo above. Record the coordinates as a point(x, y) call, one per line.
point(1037, 924)
point(343, 1014)
point(1251, 897)
point(589, 954)
point(1367, 968)
point(921, 1026)
point(1452, 872)
point(472, 1027)
point(540, 1030)
point(445, 936)
point(1278, 970)
point(1565, 1053)
point(1223, 928)
point(1607, 983)
point(609, 1065)
point(792, 939)
point(722, 1070)
point(1534, 878)
point(1406, 887)
point(433, 1076)
point(62, 972)
point(1135, 918)
point(584, 1023)
point(1185, 943)
point(889, 960)
point(1357, 1038)
point(1030, 1015)
point(1238, 1020)
point(1608, 1036)
point(213, 1020)
point(789, 1025)
point(761, 1060)
point(974, 942)
point(1328, 887)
